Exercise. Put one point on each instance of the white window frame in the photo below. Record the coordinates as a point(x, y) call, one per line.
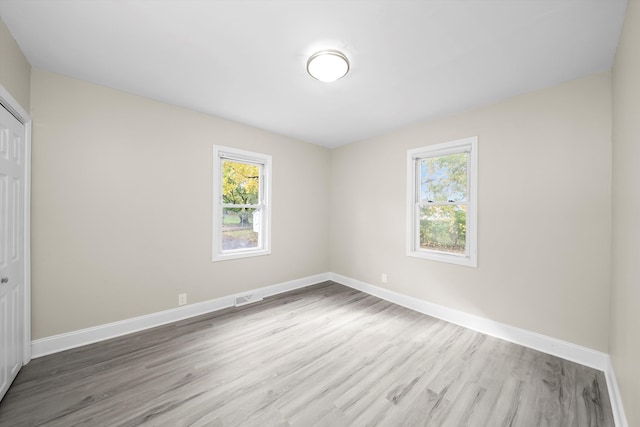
point(221, 153)
point(469, 145)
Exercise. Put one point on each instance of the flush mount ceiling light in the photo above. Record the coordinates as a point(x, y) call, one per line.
point(328, 65)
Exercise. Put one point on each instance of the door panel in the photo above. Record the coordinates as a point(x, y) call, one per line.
point(12, 135)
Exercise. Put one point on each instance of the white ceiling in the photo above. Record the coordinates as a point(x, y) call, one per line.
point(245, 60)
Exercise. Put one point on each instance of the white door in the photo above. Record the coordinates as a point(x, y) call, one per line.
point(12, 167)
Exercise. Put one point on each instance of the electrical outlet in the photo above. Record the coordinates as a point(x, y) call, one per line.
point(383, 277)
point(182, 299)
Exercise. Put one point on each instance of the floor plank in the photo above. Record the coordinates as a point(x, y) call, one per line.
point(326, 355)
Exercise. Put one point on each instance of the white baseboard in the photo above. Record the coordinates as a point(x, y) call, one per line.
point(57, 343)
point(546, 344)
point(614, 394)
point(566, 350)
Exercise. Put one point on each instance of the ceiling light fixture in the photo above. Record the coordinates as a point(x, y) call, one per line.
point(328, 65)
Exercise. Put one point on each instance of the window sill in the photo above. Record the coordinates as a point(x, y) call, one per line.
point(445, 257)
point(236, 255)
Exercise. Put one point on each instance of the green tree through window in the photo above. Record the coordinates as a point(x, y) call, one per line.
point(240, 186)
point(442, 205)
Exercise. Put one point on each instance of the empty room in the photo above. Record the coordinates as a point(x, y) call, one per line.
point(319, 213)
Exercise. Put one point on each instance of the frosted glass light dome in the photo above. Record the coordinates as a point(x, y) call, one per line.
point(328, 65)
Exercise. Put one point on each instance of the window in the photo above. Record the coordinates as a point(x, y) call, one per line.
point(442, 202)
point(241, 203)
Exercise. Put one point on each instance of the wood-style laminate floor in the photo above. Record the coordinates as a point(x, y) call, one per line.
point(326, 355)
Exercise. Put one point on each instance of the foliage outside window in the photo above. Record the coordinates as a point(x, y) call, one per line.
point(241, 203)
point(441, 184)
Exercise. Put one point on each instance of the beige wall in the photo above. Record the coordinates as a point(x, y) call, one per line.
point(544, 212)
point(122, 206)
point(624, 344)
point(14, 69)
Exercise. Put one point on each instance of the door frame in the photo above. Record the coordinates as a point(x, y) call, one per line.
point(14, 107)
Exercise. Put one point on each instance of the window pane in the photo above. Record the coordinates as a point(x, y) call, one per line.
point(240, 183)
point(443, 178)
point(240, 228)
point(443, 228)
